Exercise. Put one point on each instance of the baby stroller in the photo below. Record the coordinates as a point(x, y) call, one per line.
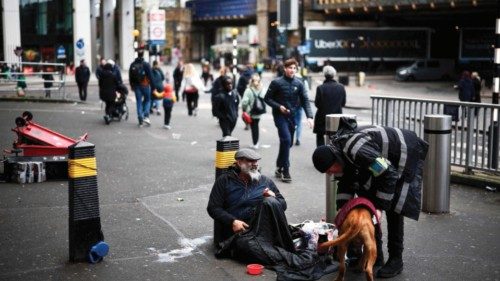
point(120, 109)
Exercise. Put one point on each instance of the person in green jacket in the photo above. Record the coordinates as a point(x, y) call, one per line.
point(250, 95)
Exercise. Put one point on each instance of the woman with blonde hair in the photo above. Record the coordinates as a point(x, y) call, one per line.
point(191, 85)
point(250, 96)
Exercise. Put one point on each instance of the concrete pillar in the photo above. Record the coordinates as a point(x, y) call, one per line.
point(126, 38)
point(108, 29)
point(82, 31)
point(11, 29)
point(92, 63)
point(263, 25)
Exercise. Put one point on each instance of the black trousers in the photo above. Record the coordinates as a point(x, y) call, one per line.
point(226, 126)
point(320, 139)
point(395, 234)
point(168, 113)
point(82, 91)
point(254, 126)
point(110, 107)
point(192, 102)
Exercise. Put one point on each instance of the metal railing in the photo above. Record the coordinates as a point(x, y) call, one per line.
point(33, 79)
point(475, 128)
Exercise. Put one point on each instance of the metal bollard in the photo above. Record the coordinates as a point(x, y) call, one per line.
point(224, 155)
point(436, 185)
point(331, 126)
point(85, 234)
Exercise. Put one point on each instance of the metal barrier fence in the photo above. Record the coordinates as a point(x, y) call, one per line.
point(33, 77)
point(475, 128)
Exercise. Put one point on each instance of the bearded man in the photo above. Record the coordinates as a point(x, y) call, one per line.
point(244, 201)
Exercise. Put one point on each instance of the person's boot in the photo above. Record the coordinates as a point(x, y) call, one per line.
point(391, 268)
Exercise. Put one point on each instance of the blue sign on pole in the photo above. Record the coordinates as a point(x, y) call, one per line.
point(61, 52)
point(80, 44)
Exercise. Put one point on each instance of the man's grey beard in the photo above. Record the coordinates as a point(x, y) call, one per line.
point(254, 175)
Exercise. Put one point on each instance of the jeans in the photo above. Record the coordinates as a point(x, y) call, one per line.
point(167, 108)
point(298, 121)
point(255, 130)
point(286, 129)
point(143, 101)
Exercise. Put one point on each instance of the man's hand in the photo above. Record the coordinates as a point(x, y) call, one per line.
point(268, 192)
point(310, 122)
point(239, 226)
point(284, 110)
point(379, 214)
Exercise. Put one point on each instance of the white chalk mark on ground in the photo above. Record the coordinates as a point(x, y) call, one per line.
point(188, 247)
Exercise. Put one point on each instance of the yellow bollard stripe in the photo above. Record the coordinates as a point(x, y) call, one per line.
point(83, 167)
point(224, 159)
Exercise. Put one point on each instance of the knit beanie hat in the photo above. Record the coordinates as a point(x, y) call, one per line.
point(325, 156)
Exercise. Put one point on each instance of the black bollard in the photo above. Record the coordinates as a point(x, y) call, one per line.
point(85, 234)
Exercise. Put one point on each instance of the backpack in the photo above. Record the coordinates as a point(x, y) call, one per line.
point(137, 72)
point(259, 106)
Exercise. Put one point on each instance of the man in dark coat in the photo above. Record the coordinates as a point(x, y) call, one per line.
point(108, 84)
point(384, 165)
point(82, 76)
point(178, 75)
point(226, 106)
point(330, 98)
point(286, 95)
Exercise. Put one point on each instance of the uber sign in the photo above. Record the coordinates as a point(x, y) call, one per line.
point(368, 43)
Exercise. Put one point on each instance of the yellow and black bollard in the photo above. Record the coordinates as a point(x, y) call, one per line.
point(224, 156)
point(85, 234)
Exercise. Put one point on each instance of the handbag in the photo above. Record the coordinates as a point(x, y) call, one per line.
point(259, 105)
point(246, 118)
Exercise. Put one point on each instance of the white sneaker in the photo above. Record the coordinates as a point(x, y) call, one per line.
point(147, 121)
point(256, 146)
point(195, 112)
point(167, 127)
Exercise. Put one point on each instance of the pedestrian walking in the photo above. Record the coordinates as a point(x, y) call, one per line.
point(168, 103)
point(108, 84)
point(476, 82)
point(286, 95)
point(465, 89)
point(140, 79)
point(217, 86)
point(330, 98)
point(226, 106)
point(99, 68)
point(116, 71)
point(252, 94)
point(191, 87)
point(82, 77)
point(48, 79)
point(206, 76)
point(158, 78)
point(178, 75)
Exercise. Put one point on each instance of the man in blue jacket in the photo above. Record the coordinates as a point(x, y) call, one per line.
point(286, 95)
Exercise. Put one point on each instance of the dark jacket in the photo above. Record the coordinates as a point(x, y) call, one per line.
point(226, 106)
point(108, 84)
point(330, 98)
point(290, 93)
point(147, 71)
point(465, 90)
point(49, 79)
point(232, 199)
point(82, 74)
point(477, 90)
point(178, 75)
point(158, 78)
point(243, 81)
point(118, 74)
point(398, 188)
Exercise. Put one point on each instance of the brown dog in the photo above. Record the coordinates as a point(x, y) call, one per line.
point(357, 228)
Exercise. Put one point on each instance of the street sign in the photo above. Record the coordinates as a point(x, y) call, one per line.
point(80, 47)
point(61, 52)
point(157, 26)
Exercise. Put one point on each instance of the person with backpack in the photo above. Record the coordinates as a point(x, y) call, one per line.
point(226, 106)
point(253, 96)
point(140, 78)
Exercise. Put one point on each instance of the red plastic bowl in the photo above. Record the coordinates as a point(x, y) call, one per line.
point(255, 269)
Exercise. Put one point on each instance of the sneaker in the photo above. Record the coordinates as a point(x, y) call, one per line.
point(285, 176)
point(195, 112)
point(297, 143)
point(107, 119)
point(167, 127)
point(278, 172)
point(256, 146)
point(147, 121)
point(158, 113)
point(391, 268)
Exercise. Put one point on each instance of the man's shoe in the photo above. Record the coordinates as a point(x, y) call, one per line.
point(107, 119)
point(278, 172)
point(147, 121)
point(297, 143)
point(392, 267)
point(285, 176)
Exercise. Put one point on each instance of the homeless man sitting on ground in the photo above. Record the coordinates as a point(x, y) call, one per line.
point(250, 223)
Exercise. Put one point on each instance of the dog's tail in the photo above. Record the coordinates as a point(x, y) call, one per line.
point(351, 232)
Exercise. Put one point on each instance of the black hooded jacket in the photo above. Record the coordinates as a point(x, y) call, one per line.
point(330, 98)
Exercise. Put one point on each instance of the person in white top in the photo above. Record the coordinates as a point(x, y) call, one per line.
point(191, 85)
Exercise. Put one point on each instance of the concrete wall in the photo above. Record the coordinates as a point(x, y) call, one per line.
point(11, 29)
point(82, 30)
